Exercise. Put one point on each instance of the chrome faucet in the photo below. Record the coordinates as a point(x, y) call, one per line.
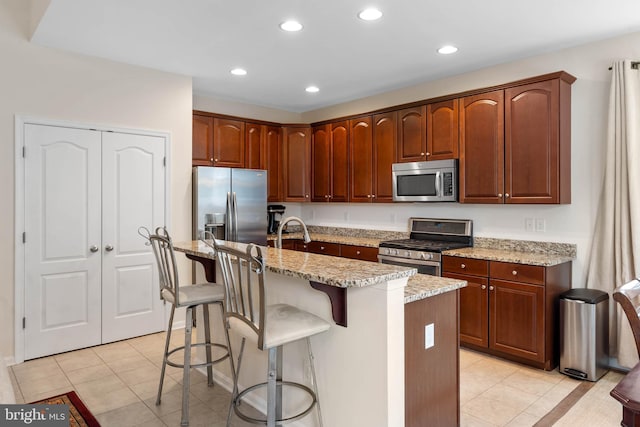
point(283, 222)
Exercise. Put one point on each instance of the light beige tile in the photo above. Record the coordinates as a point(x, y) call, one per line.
point(78, 360)
point(116, 351)
point(106, 394)
point(199, 416)
point(127, 416)
point(89, 374)
point(469, 357)
point(41, 395)
point(57, 380)
point(524, 419)
point(468, 420)
point(491, 410)
point(137, 361)
point(170, 402)
point(535, 384)
point(515, 398)
point(35, 369)
point(144, 372)
point(149, 389)
point(473, 384)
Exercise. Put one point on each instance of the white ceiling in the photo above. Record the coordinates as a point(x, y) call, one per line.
point(347, 58)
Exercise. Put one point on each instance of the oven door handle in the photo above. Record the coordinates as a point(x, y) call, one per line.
point(438, 184)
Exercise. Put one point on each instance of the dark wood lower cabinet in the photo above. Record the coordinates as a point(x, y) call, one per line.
point(432, 379)
point(363, 253)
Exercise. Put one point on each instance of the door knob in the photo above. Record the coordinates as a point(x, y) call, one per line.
point(93, 248)
point(108, 248)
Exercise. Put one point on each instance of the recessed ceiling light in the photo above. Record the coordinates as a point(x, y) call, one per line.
point(239, 72)
point(312, 89)
point(446, 50)
point(370, 14)
point(291, 26)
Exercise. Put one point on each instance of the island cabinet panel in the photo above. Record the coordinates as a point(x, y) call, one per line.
point(412, 134)
point(296, 165)
point(481, 170)
point(324, 248)
point(202, 154)
point(361, 160)
point(442, 130)
point(228, 143)
point(510, 310)
point(385, 151)
point(255, 146)
point(432, 379)
point(273, 163)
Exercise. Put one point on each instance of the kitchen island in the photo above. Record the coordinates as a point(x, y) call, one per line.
point(360, 366)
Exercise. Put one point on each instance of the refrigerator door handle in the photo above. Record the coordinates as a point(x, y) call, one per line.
point(228, 226)
point(235, 217)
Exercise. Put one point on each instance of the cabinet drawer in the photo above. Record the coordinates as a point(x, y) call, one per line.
point(476, 267)
point(363, 253)
point(517, 272)
point(324, 248)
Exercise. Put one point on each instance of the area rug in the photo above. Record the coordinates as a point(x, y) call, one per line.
point(79, 415)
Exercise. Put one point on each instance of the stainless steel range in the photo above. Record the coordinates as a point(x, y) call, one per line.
point(428, 238)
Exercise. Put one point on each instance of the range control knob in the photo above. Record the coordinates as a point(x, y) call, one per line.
point(407, 254)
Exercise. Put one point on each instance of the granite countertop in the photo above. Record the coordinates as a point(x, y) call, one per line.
point(332, 238)
point(423, 286)
point(518, 257)
point(339, 272)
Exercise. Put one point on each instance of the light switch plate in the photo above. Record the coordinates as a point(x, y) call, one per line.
point(428, 336)
point(540, 224)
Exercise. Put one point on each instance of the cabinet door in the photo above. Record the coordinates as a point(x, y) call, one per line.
point(474, 309)
point(339, 172)
point(228, 143)
point(297, 143)
point(442, 130)
point(482, 148)
point(361, 160)
point(516, 319)
point(273, 147)
point(324, 248)
point(254, 146)
point(320, 164)
point(202, 139)
point(412, 134)
point(384, 155)
point(532, 143)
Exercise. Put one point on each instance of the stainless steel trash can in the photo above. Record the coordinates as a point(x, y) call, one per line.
point(584, 333)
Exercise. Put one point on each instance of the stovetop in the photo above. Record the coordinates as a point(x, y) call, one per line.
point(423, 245)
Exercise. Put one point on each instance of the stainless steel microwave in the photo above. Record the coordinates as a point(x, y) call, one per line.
point(431, 181)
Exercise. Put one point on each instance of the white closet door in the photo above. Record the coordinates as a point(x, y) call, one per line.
point(62, 249)
point(133, 188)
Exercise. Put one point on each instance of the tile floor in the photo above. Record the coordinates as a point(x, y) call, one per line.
point(118, 383)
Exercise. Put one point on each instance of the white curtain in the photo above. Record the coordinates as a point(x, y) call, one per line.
point(615, 253)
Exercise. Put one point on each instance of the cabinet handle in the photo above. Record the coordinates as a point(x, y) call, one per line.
point(326, 196)
point(499, 194)
point(215, 160)
point(428, 153)
point(373, 196)
point(506, 195)
point(368, 196)
point(463, 266)
point(490, 288)
point(322, 248)
point(108, 248)
point(483, 287)
point(514, 272)
point(93, 248)
point(422, 154)
point(306, 196)
point(357, 252)
point(211, 160)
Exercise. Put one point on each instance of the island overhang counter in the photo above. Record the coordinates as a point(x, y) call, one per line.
point(360, 365)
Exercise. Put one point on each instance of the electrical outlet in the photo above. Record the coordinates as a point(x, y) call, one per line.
point(528, 224)
point(428, 336)
point(540, 224)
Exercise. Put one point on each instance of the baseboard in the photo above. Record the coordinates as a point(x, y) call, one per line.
point(9, 360)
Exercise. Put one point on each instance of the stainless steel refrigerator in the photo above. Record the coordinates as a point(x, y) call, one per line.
point(230, 203)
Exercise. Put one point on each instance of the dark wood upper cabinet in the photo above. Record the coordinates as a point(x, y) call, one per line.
point(329, 168)
point(361, 160)
point(412, 134)
point(296, 164)
point(228, 143)
point(385, 151)
point(202, 138)
point(537, 153)
point(481, 170)
point(254, 146)
point(442, 130)
point(273, 160)
point(339, 162)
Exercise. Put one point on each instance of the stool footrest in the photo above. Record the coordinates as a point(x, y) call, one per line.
point(197, 365)
point(237, 400)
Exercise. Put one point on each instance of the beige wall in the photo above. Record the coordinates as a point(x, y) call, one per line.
point(239, 109)
point(47, 83)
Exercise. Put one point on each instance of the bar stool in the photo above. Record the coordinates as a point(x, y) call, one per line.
point(188, 296)
point(272, 326)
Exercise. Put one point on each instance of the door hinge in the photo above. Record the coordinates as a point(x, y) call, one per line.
point(24, 237)
point(24, 323)
point(164, 161)
point(24, 151)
